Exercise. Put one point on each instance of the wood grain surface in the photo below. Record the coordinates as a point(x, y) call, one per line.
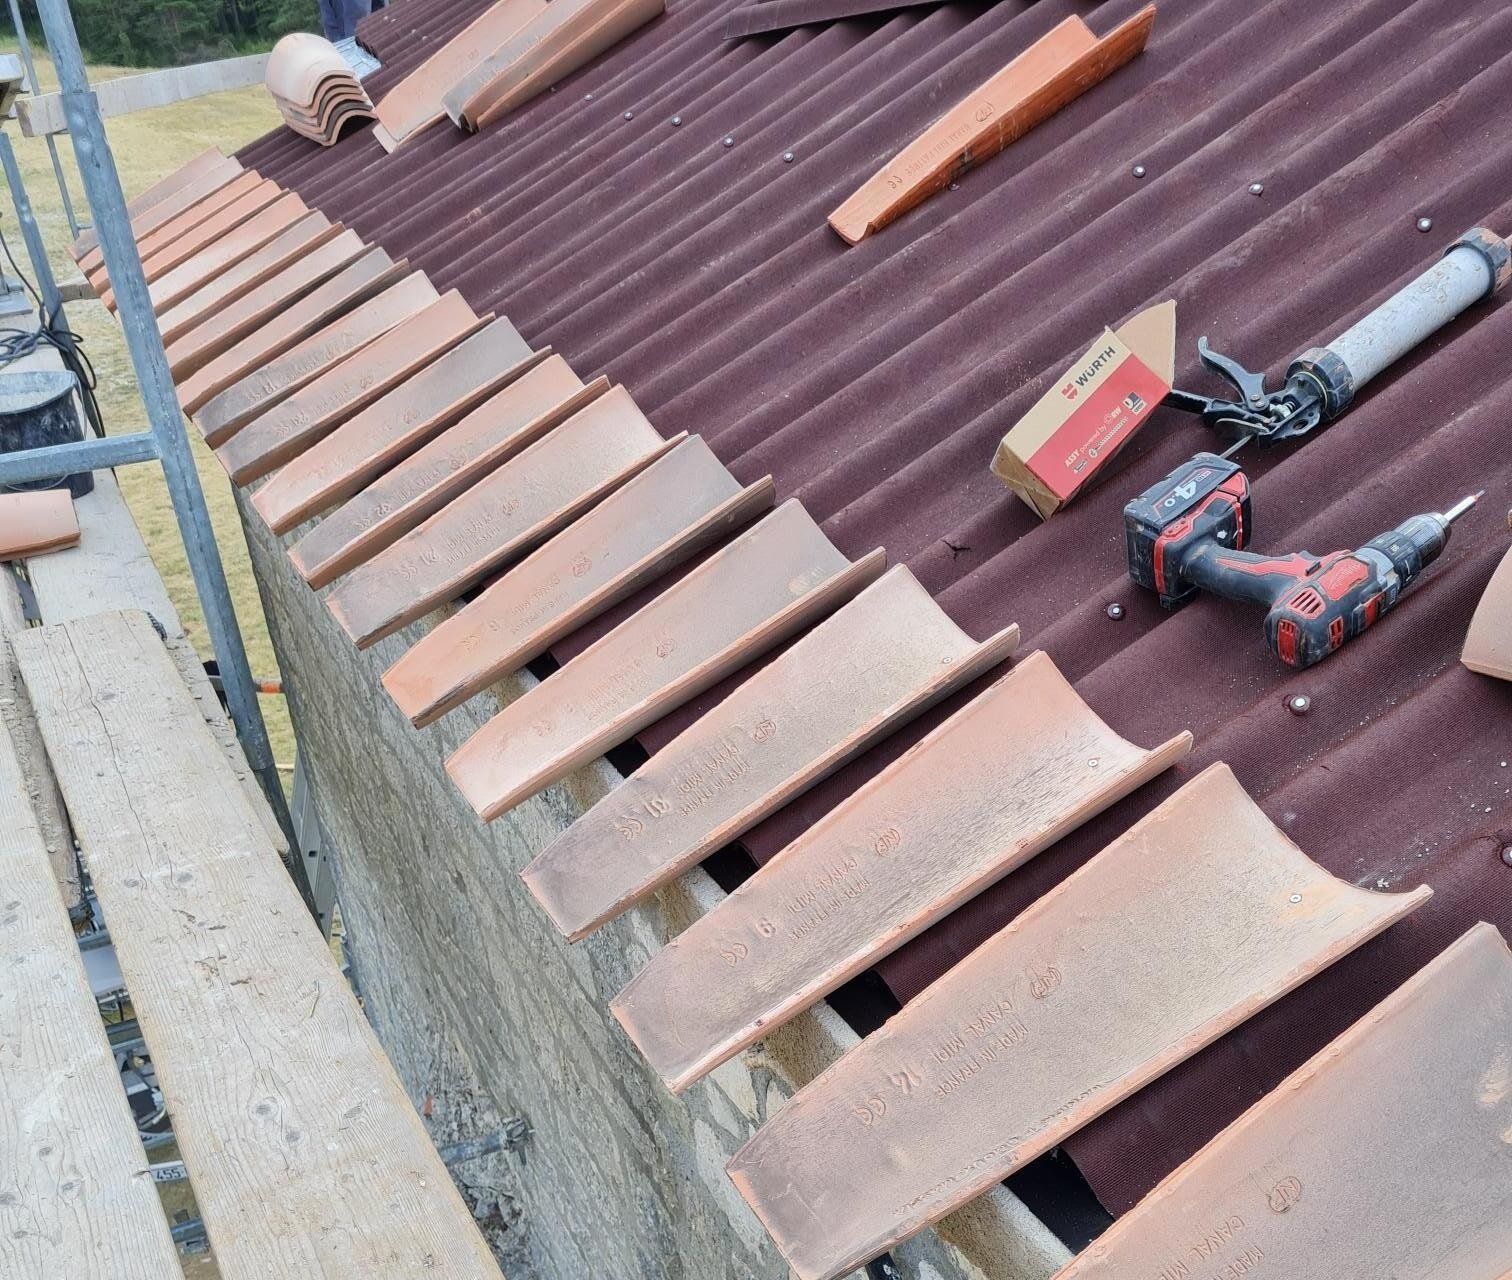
point(318, 408)
point(872, 666)
point(369, 272)
point(306, 1156)
point(541, 398)
point(1001, 780)
point(680, 504)
point(75, 1203)
point(1201, 915)
point(1402, 1128)
point(257, 391)
point(746, 598)
point(1488, 646)
point(1055, 70)
point(510, 511)
point(300, 237)
point(222, 330)
point(366, 444)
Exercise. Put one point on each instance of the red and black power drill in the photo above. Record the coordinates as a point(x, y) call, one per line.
point(1187, 534)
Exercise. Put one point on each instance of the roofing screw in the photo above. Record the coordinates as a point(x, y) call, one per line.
point(728, 140)
point(1425, 224)
point(787, 157)
point(1299, 704)
point(629, 115)
point(587, 97)
point(1139, 171)
point(1257, 189)
point(1296, 898)
point(1116, 612)
point(676, 121)
point(955, 186)
point(1507, 855)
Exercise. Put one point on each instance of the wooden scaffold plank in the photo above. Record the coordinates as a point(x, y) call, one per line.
point(306, 1156)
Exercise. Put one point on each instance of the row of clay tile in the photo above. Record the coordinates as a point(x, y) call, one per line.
point(317, 93)
point(444, 455)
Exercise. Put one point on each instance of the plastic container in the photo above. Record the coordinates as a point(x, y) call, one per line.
point(38, 408)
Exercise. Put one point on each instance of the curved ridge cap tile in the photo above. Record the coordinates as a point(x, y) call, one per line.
point(871, 667)
point(1417, 1094)
point(270, 383)
point(681, 504)
point(483, 355)
point(1201, 915)
point(414, 104)
point(544, 396)
point(538, 491)
point(297, 65)
point(749, 596)
point(363, 276)
point(1488, 645)
point(1054, 71)
point(280, 435)
point(999, 782)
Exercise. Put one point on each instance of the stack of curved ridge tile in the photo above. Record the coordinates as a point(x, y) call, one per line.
point(316, 91)
point(1488, 646)
point(427, 461)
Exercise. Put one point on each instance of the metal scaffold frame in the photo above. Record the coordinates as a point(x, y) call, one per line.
point(165, 439)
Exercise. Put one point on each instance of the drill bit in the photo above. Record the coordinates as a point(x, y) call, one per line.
point(1460, 507)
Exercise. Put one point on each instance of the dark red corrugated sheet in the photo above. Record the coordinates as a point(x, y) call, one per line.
point(875, 381)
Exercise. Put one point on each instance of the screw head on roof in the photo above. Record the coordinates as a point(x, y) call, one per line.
point(1299, 704)
point(1507, 855)
point(728, 140)
point(1257, 189)
point(1139, 171)
point(1425, 224)
point(676, 121)
point(1296, 898)
point(629, 115)
point(1116, 612)
point(787, 157)
point(587, 97)
point(955, 186)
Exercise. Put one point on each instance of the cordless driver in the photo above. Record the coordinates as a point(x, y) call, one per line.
point(1188, 533)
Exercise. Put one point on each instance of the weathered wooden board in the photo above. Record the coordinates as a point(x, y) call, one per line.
point(872, 666)
point(567, 35)
point(75, 1202)
point(125, 94)
point(1057, 69)
point(198, 269)
point(256, 392)
point(543, 397)
point(222, 330)
point(304, 235)
point(679, 505)
point(1201, 915)
point(374, 439)
point(1488, 646)
point(1000, 781)
point(414, 104)
point(368, 274)
point(38, 784)
point(306, 1157)
point(767, 585)
point(1401, 1128)
point(514, 509)
point(314, 411)
point(208, 159)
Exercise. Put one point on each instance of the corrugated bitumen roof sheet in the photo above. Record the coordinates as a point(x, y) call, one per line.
point(875, 381)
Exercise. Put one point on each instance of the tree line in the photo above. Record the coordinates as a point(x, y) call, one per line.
point(167, 33)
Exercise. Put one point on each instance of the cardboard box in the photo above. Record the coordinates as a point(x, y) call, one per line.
point(1091, 412)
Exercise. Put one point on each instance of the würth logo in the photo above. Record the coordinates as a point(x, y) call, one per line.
point(1089, 371)
point(1070, 391)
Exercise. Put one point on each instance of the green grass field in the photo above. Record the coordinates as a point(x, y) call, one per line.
point(147, 146)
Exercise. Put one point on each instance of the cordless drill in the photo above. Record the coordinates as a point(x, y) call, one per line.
point(1188, 533)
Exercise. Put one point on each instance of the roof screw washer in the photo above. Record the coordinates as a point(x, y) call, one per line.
point(676, 121)
point(1257, 189)
point(1116, 612)
point(728, 140)
point(1296, 898)
point(1299, 704)
point(629, 115)
point(1139, 171)
point(1425, 224)
point(587, 97)
point(1507, 855)
point(787, 157)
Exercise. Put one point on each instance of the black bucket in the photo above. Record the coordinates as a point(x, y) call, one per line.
point(39, 408)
